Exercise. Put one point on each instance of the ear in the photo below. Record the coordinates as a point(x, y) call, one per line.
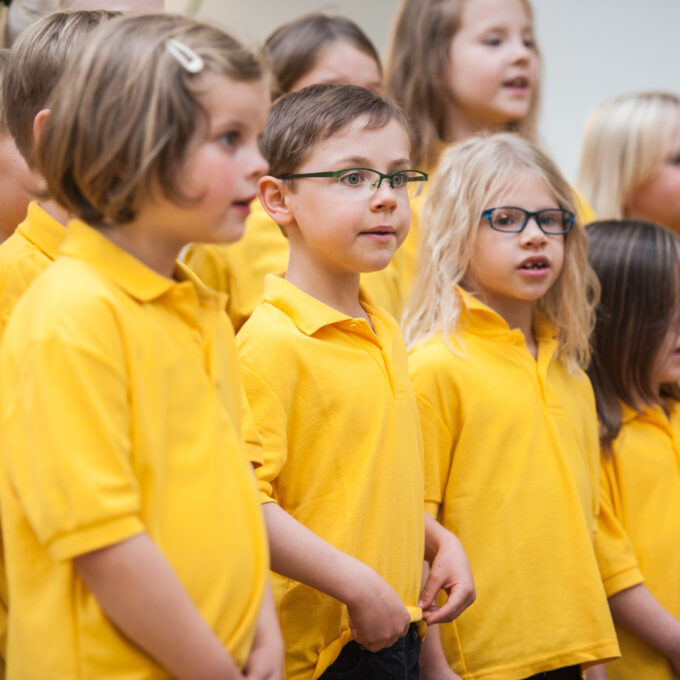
point(274, 198)
point(38, 123)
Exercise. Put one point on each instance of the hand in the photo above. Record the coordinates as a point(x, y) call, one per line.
point(378, 617)
point(450, 571)
point(266, 655)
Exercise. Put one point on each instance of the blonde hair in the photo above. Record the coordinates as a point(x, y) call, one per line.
point(468, 176)
point(627, 140)
point(35, 64)
point(416, 73)
point(126, 110)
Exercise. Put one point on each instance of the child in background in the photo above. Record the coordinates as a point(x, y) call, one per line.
point(630, 161)
point(498, 327)
point(315, 48)
point(17, 183)
point(635, 369)
point(326, 375)
point(31, 73)
point(130, 515)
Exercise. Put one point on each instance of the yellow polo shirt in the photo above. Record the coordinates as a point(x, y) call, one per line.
point(239, 269)
point(335, 408)
point(511, 467)
point(640, 484)
point(134, 379)
point(24, 255)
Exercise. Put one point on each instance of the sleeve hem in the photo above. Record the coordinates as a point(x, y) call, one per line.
point(623, 580)
point(432, 509)
point(95, 537)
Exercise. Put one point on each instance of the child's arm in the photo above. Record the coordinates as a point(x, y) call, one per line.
point(266, 655)
point(449, 571)
point(378, 617)
point(140, 593)
point(639, 612)
point(598, 672)
point(432, 661)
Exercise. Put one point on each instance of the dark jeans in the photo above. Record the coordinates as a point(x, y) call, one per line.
point(566, 673)
point(398, 662)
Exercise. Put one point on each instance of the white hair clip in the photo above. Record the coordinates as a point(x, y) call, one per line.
point(187, 58)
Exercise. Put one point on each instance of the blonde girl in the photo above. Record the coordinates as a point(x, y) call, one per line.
point(141, 535)
point(314, 49)
point(630, 161)
point(498, 327)
point(635, 370)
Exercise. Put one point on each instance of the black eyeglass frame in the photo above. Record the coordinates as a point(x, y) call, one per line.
point(421, 176)
point(487, 214)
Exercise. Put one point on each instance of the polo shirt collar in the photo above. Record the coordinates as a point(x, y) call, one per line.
point(308, 313)
point(653, 414)
point(135, 278)
point(42, 230)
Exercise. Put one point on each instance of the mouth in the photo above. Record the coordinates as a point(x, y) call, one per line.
point(519, 83)
point(536, 263)
point(243, 204)
point(382, 233)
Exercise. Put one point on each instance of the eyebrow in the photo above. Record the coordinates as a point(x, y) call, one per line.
point(362, 162)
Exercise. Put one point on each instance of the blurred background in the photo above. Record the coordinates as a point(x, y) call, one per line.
point(592, 49)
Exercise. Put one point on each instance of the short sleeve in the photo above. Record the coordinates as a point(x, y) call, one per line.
point(613, 548)
point(66, 445)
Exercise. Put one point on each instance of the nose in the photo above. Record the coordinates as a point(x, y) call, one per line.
point(532, 233)
point(522, 53)
point(383, 197)
point(256, 164)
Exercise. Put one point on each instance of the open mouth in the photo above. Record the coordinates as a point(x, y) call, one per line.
point(535, 264)
point(519, 83)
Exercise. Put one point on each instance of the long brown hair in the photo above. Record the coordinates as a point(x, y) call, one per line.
point(638, 264)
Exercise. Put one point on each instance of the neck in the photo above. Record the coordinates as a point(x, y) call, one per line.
point(55, 211)
point(517, 314)
point(458, 126)
point(338, 290)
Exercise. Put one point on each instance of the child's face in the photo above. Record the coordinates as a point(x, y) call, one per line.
point(493, 66)
point(340, 63)
point(658, 199)
point(15, 188)
point(667, 365)
point(511, 271)
point(221, 168)
point(335, 230)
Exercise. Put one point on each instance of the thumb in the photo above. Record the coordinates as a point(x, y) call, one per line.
point(429, 592)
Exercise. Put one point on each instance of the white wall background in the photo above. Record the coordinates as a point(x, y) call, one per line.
point(592, 49)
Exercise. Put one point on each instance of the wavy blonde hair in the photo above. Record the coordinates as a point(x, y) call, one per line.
point(416, 73)
point(626, 141)
point(469, 175)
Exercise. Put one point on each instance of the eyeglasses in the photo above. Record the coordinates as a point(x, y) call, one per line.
point(362, 182)
point(553, 221)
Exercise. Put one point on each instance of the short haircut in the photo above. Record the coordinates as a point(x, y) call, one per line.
point(4, 55)
point(416, 71)
point(293, 49)
point(126, 111)
point(298, 121)
point(627, 140)
point(35, 64)
point(638, 264)
point(469, 176)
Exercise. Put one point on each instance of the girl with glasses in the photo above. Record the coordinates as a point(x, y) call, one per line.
point(635, 369)
point(498, 327)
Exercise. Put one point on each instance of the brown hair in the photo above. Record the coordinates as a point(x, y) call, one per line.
point(138, 109)
point(36, 62)
point(4, 55)
point(292, 49)
point(470, 174)
point(416, 69)
point(300, 120)
point(638, 264)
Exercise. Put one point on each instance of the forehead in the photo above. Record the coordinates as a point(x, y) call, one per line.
point(481, 15)
point(526, 189)
point(226, 99)
point(378, 147)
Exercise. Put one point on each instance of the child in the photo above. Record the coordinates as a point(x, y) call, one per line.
point(130, 515)
point(31, 73)
point(315, 48)
point(325, 372)
point(635, 371)
point(17, 183)
point(498, 324)
point(630, 162)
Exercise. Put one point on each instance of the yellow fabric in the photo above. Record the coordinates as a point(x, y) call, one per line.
point(335, 408)
point(511, 467)
point(25, 254)
point(584, 210)
point(135, 382)
point(238, 269)
point(640, 483)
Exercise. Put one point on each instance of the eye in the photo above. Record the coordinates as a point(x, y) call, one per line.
point(529, 42)
point(352, 178)
point(399, 179)
point(493, 41)
point(230, 139)
point(674, 160)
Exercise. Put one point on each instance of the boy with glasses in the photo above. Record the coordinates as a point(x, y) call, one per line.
point(326, 375)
